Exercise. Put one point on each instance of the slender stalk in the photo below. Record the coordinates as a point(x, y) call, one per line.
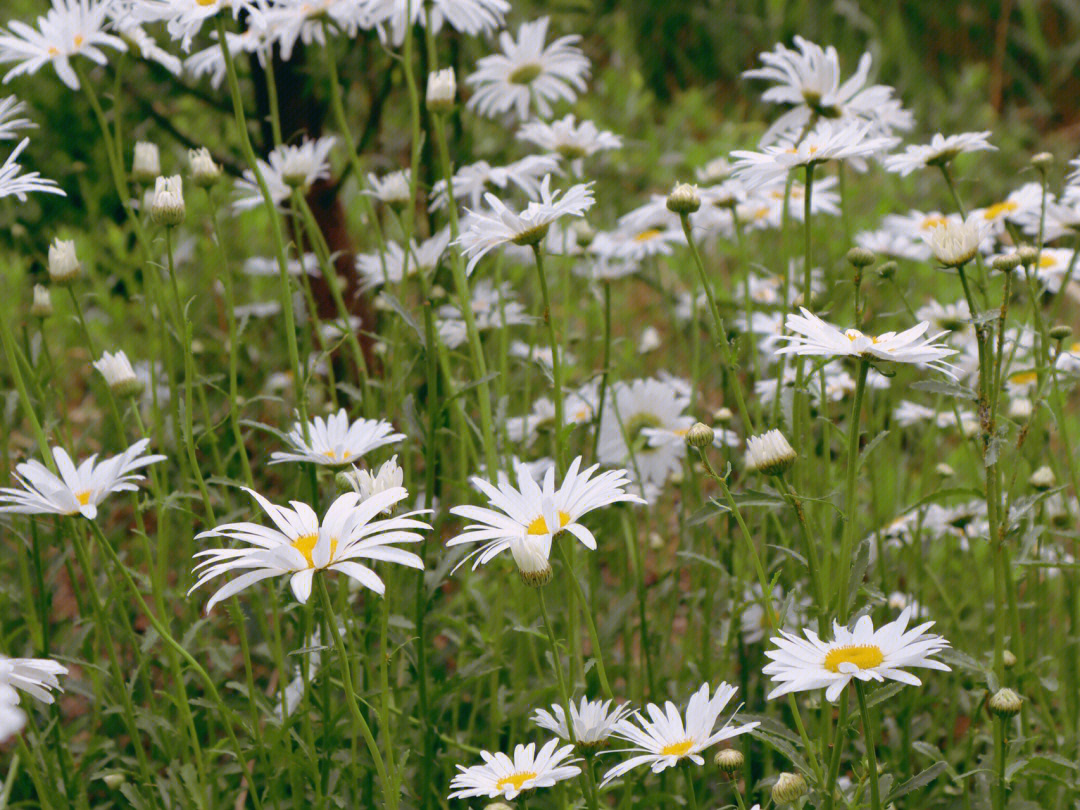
point(558, 433)
point(869, 740)
point(847, 543)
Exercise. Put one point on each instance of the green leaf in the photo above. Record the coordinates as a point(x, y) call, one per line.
point(919, 780)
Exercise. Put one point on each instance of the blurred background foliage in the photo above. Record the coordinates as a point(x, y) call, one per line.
point(666, 76)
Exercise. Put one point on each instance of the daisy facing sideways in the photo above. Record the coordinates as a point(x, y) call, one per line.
point(37, 676)
point(301, 544)
point(815, 337)
point(666, 737)
point(335, 441)
point(593, 721)
point(802, 665)
point(77, 490)
point(534, 512)
point(503, 777)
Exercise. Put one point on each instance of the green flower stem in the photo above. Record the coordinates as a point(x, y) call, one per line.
point(558, 432)
point(564, 697)
point(691, 795)
point(360, 725)
point(275, 224)
point(168, 638)
point(11, 351)
point(847, 543)
point(719, 333)
point(590, 623)
point(869, 740)
point(604, 370)
point(840, 732)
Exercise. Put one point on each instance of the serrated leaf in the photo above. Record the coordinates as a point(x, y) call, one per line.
point(919, 780)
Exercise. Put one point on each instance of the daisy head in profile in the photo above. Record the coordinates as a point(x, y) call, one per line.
point(939, 152)
point(505, 777)
point(805, 664)
point(336, 441)
point(300, 544)
point(525, 518)
point(666, 737)
point(74, 490)
point(813, 336)
point(592, 721)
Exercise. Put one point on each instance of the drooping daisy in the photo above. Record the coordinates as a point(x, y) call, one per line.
point(301, 544)
point(471, 17)
point(666, 737)
point(954, 243)
point(802, 665)
point(185, 18)
point(569, 139)
point(336, 441)
point(15, 184)
point(77, 490)
point(487, 230)
point(810, 80)
point(828, 140)
point(814, 336)
point(501, 777)
point(528, 74)
point(593, 720)
point(70, 28)
point(940, 151)
point(538, 511)
point(36, 676)
point(9, 124)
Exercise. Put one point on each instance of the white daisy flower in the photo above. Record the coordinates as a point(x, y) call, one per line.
point(392, 188)
point(632, 244)
point(473, 181)
point(952, 317)
point(286, 166)
point(501, 777)
point(15, 184)
point(12, 720)
point(9, 124)
point(142, 45)
point(528, 74)
point(35, 676)
point(828, 140)
point(1023, 206)
point(118, 373)
point(814, 336)
point(810, 79)
point(954, 243)
point(211, 62)
point(494, 307)
point(864, 653)
point(336, 441)
point(185, 18)
point(593, 720)
point(288, 21)
point(536, 512)
point(77, 490)
point(472, 17)
point(366, 484)
point(1053, 267)
point(302, 544)
point(579, 407)
point(389, 266)
point(940, 151)
point(70, 28)
point(665, 738)
point(643, 427)
point(488, 230)
point(569, 139)
point(754, 621)
point(890, 244)
point(268, 266)
point(541, 355)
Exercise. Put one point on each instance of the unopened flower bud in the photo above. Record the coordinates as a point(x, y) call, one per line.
point(723, 415)
point(1042, 161)
point(1028, 254)
point(42, 306)
point(146, 164)
point(64, 265)
point(1060, 331)
point(789, 788)
point(118, 373)
point(700, 435)
point(729, 760)
point(204, 171)
point(769, 453)
point(1042, 478)
point(683, 199)
point(498, 806)
point(113, 780)
point(583, 232)
point(1008, 658)
point(1006, 703)
point(887, 270)
point(944, 470)
point(860, 257)
point(441, 90)
point(167, 207)
point(1007, 262)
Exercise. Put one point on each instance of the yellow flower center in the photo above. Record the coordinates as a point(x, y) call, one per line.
point(581, 414)
point(678, 749)
point(649, 235)
point(525, 74)
point(54, 51)
point(933, 222)
point(515, 779)
point(1047, 261)
point(305, 544)
point(1024, 378)
point(863, 656)
point(539, 526)
point(999, 209)
point(681, 432)
point(83, 497)
point(206, 2)
point(78, 40)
